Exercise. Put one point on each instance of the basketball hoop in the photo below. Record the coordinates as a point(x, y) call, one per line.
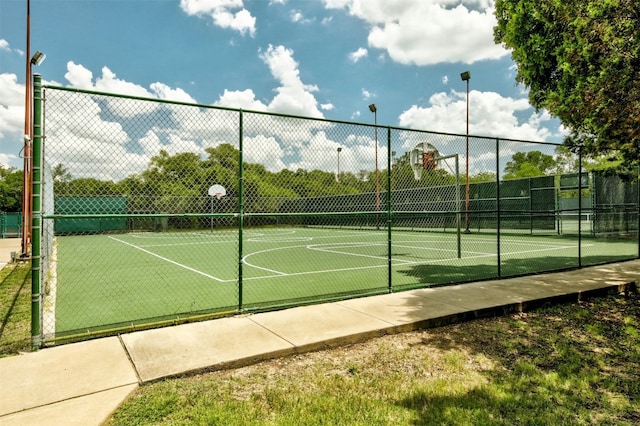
point(423, 156)
point(217, 191)
point(429, 160)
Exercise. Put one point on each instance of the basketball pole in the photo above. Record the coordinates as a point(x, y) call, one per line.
point(466, 76)
point(374, 110)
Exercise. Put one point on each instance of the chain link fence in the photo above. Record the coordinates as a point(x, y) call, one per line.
point(159, 212)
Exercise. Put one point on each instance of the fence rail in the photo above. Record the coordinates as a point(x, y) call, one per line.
point(131, 229)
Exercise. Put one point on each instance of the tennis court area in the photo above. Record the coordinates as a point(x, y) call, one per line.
point(110, 281)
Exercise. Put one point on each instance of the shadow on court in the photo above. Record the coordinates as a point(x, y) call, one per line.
point(440, 274)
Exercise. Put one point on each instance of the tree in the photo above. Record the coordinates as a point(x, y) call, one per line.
point(530, 164)
point(61, 174)
point(566, 161)
point(11, 181)
point(581, 62)
point(483, 177)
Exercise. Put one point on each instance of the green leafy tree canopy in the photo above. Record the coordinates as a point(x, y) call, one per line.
point(530, 164)
point(580, 61)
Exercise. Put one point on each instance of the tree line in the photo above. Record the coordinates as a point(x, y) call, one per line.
point(170, 181)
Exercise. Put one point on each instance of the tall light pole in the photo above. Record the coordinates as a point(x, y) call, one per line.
point(27, 208)
point(338, 174)
point(27, 141)
point(374, 110)
point(466, 76)
point(27, 171)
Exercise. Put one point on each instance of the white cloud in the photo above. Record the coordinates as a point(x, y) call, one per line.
point(224, 14)
point(320, 153)
point(264, 150)
point(7, 159)
point(424, 32)
point(86, 144)
point(80, 77)
point(336, 4)
point(12, 91)
point(112, 151)
point(4, 45)
point(111, 84)
point(366, 94)
point(490, 114)
point(163, 91)
point(445, 80)
point(297, 17)
point(358, 54)
point(293, 96)
point(11, 106)
point(244, 99)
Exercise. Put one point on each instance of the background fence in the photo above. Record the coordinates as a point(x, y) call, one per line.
point(129, 232)
point(10, 225)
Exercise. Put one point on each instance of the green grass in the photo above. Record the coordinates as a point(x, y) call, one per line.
point(15, 308)
point(114, 281)
point(567, 364)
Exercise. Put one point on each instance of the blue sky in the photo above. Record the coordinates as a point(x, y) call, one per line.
point(320, 58)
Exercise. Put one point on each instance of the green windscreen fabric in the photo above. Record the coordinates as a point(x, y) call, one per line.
point(616, 201)
point(90, 206)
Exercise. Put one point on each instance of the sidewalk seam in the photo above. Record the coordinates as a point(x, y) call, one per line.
point(271, 331)
point(133, 364)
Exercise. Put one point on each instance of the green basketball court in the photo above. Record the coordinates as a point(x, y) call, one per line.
point(109, 281)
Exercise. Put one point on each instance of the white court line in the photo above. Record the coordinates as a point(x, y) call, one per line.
point(189, 244)
point(542, 249)
point(295, 274)
point(188, 268)
point(336, 250)
point(396, 262)
point(368, 256)
point(244, 260)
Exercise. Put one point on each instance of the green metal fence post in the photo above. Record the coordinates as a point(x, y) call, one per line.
point(458, 205)
point(240, 206)
point(498, 224)
point(530, 207)
point(389, 207)
point(36, 220)
point(580, 208)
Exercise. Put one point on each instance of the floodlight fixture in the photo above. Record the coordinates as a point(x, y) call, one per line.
point(465, 76)
point(373, 108)
point(38, 58)
point(338, 174)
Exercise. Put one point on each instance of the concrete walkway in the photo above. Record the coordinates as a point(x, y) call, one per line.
point(83, 383)
point(9, 247)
